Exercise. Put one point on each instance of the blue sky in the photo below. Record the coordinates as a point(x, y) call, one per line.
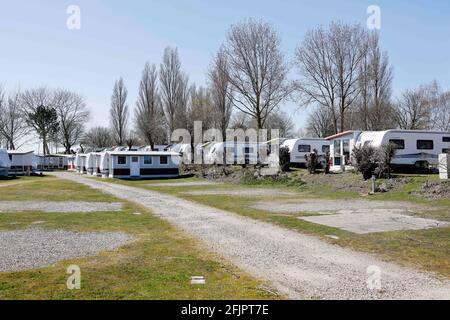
point(118, 37)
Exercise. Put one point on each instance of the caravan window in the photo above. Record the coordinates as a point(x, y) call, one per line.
point(121, 160)
point(445, 139)
point(304, 148)
point(445, 150)
point(163, 160)
point(147, 160)
point(425, 144)
point(325, 149)
point(399, 143)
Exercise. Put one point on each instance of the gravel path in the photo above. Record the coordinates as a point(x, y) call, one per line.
point(299, 265)
point(242, 192)
point(35, 248)
point(59, 206)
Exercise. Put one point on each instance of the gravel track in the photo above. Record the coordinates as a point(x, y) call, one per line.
point(242, 192)
point(59, 206)
point(299, 265)
point(36, 248)
point(183, 184)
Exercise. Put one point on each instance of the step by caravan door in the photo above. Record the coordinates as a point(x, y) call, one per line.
point(135, 167)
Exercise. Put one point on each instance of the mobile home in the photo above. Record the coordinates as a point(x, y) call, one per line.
point(143, 164)
point(5, 163)
point(299, 148)
point(414, 148)
point(22, 162)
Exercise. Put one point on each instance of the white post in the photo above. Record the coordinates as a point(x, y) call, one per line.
point(444, 166)
point(341, 146)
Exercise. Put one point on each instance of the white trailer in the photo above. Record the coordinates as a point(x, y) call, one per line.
point(236, 152)
point(299, 148)
point(414, 148)
point(22, 162)
point(5, 163)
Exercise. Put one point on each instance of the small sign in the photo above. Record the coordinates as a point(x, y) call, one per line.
point(198, 280)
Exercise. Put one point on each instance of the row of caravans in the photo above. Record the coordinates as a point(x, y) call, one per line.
point(137, 164)
point(16, 162)
point(414, 148)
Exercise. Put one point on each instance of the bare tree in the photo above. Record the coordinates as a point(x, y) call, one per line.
point(174, 89)
point(414, 108)
point(375, 81)
point(200, 108)
point(320, 123)
point(119, 113)
point(329, 61)
point(73, 115)
point(440, 109)
point(257, 70)
point(98, 138)
point(281, 121)
point(149, 117)
point(221, 93)
point(13, 127)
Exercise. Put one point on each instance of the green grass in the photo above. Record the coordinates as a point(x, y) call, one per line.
point(157, 265)
point(423, 249)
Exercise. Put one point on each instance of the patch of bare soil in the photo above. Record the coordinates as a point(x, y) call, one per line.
point(434, 190)
point(230, 174)
point(352, 182)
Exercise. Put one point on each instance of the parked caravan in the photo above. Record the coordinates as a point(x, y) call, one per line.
point(299, 148)
point(5, 163)
point(22, 162)
point(143, 164)
point(236, 152)
point(103, 164)
point(90, 163)
point(414, 148)
point(80, 162)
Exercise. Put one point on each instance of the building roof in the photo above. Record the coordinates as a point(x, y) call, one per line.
point(19, 152)
point(341, 134)
point(143, 153)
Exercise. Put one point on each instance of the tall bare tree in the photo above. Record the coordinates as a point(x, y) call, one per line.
point(149, 117)
point(329, 64)
point(375, 81)
point(13, 127)
point(174, 89)
point(221, 92)
point(257, 70)
point(119, 113)
point(200, 108)
point(73, 115)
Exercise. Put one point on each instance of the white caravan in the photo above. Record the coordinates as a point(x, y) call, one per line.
point(5, 163)
point(236, 152)
point(299, 148)
point(414, 147)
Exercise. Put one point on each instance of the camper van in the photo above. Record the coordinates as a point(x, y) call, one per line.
point(299, 148)
point(415, 148)
point(5, 163)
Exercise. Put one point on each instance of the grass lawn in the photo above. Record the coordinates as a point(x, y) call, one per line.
point(423, 249)
point(157, 265)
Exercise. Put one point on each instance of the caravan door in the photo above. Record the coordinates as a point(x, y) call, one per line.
point(135, 167)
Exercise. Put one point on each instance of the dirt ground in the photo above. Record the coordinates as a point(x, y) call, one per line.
point(434, 190)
